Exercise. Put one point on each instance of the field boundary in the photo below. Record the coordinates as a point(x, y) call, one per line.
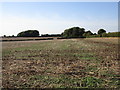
point(26, 39)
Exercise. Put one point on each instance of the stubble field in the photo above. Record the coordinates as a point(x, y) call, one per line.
point(68, 63)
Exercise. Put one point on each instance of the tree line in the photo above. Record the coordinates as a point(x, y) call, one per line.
point(74, 32)
point(77, 32)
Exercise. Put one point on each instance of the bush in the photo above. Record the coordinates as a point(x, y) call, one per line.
point(112, 34)
point(87, 34)
point(104, 35)
point(93, 36)
point(51, 35)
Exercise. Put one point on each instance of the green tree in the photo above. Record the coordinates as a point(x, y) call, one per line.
point(73, 32)
point(87, 34)
point(12, 36)
point(104, 35)
point(29, 33)
point(4, 36)
point(101, 31)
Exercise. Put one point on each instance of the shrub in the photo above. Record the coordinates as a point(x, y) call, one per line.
point(112, 34)
point(93, 36)
point(87, 34)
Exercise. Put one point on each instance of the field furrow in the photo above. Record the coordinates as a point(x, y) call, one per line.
point(69, 63)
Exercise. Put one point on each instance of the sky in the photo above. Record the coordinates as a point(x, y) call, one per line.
point(55, 17)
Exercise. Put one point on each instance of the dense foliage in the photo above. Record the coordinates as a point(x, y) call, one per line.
point(28, 33)
point(87, 34)
point(73, 32)
point(111, 34)
point(101, 31)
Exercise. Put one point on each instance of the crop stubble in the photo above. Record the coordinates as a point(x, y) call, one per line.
point(61, 63)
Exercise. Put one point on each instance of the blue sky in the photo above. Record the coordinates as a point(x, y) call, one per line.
point(55, 17)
